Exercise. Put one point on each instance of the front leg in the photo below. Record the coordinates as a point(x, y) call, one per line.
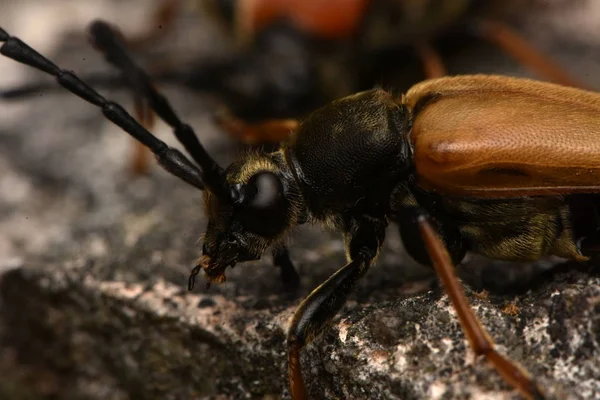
point(289, 276)
point(363, 241)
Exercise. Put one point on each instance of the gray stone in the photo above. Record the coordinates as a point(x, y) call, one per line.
point(97, 334)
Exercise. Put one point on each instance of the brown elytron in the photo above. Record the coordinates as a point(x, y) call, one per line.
point(485, 136)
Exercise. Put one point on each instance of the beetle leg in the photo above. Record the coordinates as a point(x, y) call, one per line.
point(141, 157)
point(433, 65)
point(289, 276)
point(479, 339)
point(410, 234)
point(317, 310)
point(313, 315)
point(522, 51)
point(269, 131)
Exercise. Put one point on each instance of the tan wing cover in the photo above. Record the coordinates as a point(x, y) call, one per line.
point(491, 136)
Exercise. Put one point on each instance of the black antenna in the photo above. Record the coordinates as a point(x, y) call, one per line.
point(109, 41)
point(169, 158)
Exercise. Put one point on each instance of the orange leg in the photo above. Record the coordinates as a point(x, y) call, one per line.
point(517, 47)
point(270, 131)
point(433, 65)
point(296, 381)
point(478, 338)
point(141, 156)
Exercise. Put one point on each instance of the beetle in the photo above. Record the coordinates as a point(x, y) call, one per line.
point(504, 167)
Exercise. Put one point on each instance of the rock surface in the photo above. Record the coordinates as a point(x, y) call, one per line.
point(87, 334)
point(93, 299)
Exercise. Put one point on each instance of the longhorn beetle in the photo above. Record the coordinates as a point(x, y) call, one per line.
point(441, 162)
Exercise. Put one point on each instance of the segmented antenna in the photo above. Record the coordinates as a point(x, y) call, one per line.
point(169, 158)
point(109, 41)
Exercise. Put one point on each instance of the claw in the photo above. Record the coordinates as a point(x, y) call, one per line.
point(215, 273)
point(192, 278)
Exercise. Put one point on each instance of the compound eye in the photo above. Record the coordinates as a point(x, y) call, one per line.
point(265, 191)
point(265, 206)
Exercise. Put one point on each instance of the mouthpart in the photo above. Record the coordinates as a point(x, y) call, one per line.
point(215, 273)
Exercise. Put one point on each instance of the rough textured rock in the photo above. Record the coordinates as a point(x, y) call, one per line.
point(93, 299)
point(94, 336)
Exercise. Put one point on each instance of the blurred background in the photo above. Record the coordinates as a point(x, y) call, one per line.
point(68, 194)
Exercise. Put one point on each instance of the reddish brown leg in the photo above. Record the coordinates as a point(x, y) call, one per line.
point(433, 66)
point(141, 156)
point(478, 338)
point(162, 20)
point(517, 47)
point(296, 381)
point(270, 131)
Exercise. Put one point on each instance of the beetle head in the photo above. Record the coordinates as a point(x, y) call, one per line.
point(262, 206)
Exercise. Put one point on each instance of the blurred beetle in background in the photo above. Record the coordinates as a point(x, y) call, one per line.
point(293, 56)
